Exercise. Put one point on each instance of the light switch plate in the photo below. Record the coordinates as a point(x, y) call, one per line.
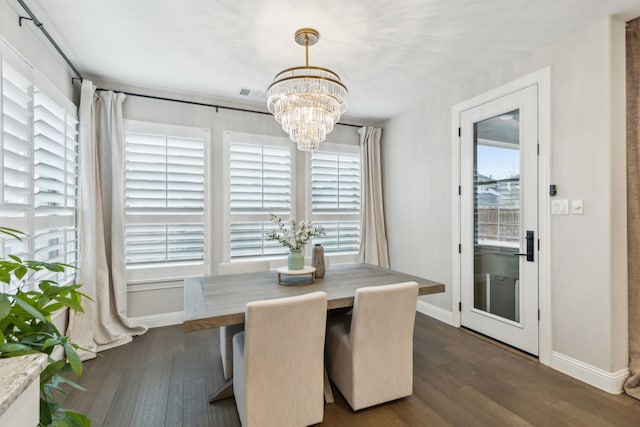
point(560, 207)
point(577, 207)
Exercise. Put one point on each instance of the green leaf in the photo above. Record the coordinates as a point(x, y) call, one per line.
point(22, 302)
point(71, 419)
point(5, 306)
point(45, 413)
point(20, 272)
point(63, 380)
point(16, 259)
point(52, 369)
point(50, 342)
point(5, 276)
point(17, 234)
point(54, 387)
point(13, 348)
point(55, 267)
point(74, 359)
point(72, 304)
point(52, 308)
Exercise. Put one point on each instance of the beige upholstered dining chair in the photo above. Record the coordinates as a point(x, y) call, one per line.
point(227, 332)
point(278, 369)
point(369, 354)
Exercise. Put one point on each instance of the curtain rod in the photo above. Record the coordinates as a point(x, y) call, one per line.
point(202, 104)
point(32, 17)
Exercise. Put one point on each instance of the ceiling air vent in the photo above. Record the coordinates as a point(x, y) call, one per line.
point(253, 93)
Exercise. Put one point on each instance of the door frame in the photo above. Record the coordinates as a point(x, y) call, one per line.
point(542, 80)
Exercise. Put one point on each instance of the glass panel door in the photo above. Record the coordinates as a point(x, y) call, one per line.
point(499, 219)
point(496, 187)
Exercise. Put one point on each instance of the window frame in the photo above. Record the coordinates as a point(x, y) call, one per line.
point(336, 257)
point(230, 137)
point(153, 272)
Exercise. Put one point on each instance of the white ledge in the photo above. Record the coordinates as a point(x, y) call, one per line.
point(16, 374)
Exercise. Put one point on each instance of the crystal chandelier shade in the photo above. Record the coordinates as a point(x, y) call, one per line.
point(307, 101)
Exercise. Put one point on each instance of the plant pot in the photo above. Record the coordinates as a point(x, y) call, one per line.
point(295, 260)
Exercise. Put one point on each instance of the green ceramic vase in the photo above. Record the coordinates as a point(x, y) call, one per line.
point(295, 260)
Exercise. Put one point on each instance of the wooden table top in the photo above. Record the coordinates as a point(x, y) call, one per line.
point(214, 301)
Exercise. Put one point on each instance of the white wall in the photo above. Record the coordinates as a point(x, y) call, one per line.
point(588, 252)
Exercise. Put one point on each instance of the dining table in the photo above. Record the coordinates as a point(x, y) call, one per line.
point(221, 300)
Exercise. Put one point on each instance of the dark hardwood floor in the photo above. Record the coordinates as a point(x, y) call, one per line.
point(164, 378)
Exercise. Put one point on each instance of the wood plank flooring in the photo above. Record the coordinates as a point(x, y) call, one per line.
point(164, 378)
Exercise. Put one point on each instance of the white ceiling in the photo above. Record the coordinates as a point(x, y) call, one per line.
point(391, 54)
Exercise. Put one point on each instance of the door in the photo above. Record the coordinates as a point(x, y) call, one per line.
point(499, 219)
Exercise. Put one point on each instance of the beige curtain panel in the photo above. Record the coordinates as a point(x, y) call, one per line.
point(373, 238)
point(104, 324)
point(632, 385)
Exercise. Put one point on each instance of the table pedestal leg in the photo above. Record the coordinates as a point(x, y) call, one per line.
point(225, 391)
point(328, 393)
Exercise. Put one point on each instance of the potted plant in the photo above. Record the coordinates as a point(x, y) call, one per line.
point(295, 238)
point(26, 328)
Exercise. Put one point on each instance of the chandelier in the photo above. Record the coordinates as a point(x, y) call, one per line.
point(307, 101)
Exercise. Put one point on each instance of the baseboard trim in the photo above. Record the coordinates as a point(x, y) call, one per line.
point(159, 320)
point(436, 312)
point(611, 382)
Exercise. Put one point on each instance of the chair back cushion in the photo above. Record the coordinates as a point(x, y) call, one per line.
point(381, 338)
point(284, 363)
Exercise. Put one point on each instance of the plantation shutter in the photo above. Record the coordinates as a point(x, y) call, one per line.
point(55, 157)
point(39, 178)
point(260, 179)
point(335, 199)
point(260, 184)
point(55, 170)
point(164, 195)
point(16, 138)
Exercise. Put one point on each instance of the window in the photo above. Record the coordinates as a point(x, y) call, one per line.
point(497, 191)
point(39, 179)
point(335, 197)
point(260, 183)
point(166, 201)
